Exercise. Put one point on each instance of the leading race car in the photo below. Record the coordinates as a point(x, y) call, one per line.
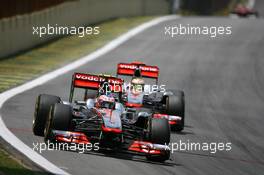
point(154, 98)
point(101, 120)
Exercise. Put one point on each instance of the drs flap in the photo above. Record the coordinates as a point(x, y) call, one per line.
point(90, 81)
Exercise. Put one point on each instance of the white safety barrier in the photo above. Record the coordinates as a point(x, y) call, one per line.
point(16, 32)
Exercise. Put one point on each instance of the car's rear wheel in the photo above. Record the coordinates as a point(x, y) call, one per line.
point(60, 118)
point(42, 108)
point(159, 134)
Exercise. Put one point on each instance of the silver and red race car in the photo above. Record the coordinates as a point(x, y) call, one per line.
point(152, 98)
point(103, 120)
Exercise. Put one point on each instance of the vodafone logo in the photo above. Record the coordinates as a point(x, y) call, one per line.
point(127, 66)
point(97, 78)
point(148, 68)
point(87, 77)
point(144, 68)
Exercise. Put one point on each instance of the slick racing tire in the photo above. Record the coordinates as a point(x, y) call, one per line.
point(42, 108)
point(60, 118)
point(175, 105)
point(159, 134)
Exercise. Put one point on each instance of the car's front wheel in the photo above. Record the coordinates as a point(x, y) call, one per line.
point(159, 134)
point(42, 108)
point(60, 118)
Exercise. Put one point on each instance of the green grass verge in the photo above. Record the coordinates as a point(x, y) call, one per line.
point(18, 69)
point(10, 166)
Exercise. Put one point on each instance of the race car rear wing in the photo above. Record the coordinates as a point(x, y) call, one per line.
point(130, 69)
point(92, 81)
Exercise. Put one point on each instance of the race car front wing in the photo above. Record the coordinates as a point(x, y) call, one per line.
point(136, 146)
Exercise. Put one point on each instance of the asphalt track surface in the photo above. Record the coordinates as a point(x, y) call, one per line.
point(223, 82)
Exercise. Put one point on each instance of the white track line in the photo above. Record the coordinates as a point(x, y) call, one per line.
point(18, 144)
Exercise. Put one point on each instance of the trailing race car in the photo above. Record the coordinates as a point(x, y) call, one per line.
point(162, 103)
point(101, 120)
point(243, 11)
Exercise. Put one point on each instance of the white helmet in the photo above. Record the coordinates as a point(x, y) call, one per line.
point(138, 84)
point(136, 81)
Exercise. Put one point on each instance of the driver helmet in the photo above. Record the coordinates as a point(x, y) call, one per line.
point(137, 84)
point(104, 101)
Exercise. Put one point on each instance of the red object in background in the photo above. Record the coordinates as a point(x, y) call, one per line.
point(242, 10)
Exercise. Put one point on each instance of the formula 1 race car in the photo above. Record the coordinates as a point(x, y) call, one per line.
point(243, 11)
point(101, 120)
point(163, 104)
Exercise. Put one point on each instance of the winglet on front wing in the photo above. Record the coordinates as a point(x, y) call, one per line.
point(148, 148)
